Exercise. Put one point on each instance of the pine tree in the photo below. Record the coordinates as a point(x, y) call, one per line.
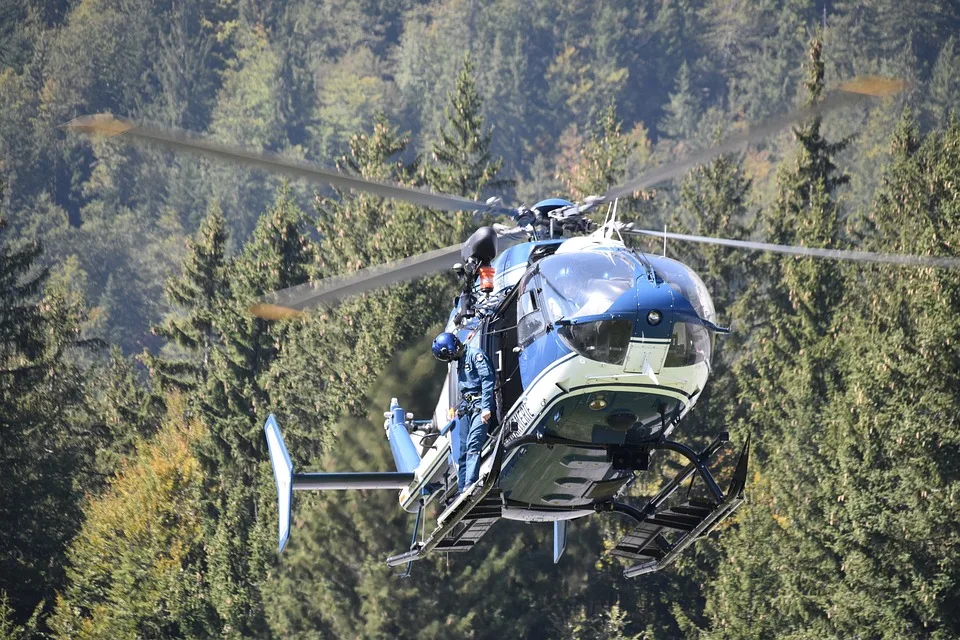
point(462, 154)
point(896, 427)
point(798, 294)
point(944, 88)
point(714, 202)
point(22, 348)
point(200, 292)
point(683, 111)
point(358, 230)
point(279, 255)
point(603, 160)
point(786, 381)
point(46, 443)
point(612, 625)
point(235, 402)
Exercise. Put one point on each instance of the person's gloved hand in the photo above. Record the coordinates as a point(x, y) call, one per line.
point(485, 417)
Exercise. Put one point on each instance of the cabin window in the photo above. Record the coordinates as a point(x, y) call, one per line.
point(530, 321)
point(686, 283)
point(690, 344)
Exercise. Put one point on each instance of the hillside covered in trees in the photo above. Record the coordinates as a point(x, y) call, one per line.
point(136, 499)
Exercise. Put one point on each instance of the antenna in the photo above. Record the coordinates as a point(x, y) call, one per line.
point(664, 241)
point(613, 220)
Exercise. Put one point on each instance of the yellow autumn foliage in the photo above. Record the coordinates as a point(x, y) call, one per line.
point(138, 560)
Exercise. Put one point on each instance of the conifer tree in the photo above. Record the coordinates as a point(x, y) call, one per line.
point(463, 163)
point(683, 110)
point(798, 295)
point(944, 86)
point(786, 382)
point(714, 202)
point(603, 160)
point(359, 230)
point(45, 443)
point(235, 403)
point(896, 428)
point(200, 292)
point(280, 254)
point(21, 348)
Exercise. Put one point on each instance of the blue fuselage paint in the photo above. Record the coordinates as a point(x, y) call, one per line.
point(568, 393)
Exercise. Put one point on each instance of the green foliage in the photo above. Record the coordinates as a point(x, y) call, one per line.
point(463, 164)
point(944, 86)
point(43, 430)
point(137, 569)
point(200, 292)
point(683, 110)
point(9, 629)
point(613, 628)
point(349, 97)
point(846, 376)
point(836, 493)
point(603, 159)
point(279, 255)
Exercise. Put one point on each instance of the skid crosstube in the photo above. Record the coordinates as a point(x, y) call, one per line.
point(477, 509)
point(661, 535)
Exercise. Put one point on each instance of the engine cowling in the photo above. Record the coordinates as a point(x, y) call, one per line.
point(481, 247)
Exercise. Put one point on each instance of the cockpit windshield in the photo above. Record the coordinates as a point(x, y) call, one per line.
point(689, 285)
point(584, 284)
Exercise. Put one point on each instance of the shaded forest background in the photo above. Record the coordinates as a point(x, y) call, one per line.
point(135, 496)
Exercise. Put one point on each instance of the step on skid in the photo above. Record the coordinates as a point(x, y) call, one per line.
point(467, 518)
point(662, 534)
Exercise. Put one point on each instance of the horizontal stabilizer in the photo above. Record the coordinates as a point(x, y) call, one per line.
point(288, 481)
point(348, 481)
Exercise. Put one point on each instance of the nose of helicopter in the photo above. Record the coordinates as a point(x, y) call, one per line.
point(654, 310)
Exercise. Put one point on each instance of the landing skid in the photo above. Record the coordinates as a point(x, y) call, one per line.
point(662, 534)
point(467, 519)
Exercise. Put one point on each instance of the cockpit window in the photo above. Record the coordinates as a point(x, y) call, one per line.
point(584, 284)
point(530, 321)
point(690, 343)
point(689, 285)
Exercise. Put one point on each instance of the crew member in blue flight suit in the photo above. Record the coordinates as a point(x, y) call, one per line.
point(476, 377)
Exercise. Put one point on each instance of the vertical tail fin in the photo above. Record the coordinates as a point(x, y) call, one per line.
point(283, 474)
point(559, 539)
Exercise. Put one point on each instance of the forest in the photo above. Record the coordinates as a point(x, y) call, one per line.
point(136, 497)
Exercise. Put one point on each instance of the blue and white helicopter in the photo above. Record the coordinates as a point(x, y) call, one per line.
point(600, 350)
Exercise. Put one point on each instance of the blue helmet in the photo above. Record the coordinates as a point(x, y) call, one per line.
point(446, 347)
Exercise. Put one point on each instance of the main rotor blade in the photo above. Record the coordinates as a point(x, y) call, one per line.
point(836, 254)
point(853, 92)
point(110, 126)
point(294, 301)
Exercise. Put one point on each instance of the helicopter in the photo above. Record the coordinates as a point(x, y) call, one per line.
point(599, 350)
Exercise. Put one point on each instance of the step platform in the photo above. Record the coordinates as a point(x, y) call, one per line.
point(474, 525)
point(467, 518)
point(663, 534)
